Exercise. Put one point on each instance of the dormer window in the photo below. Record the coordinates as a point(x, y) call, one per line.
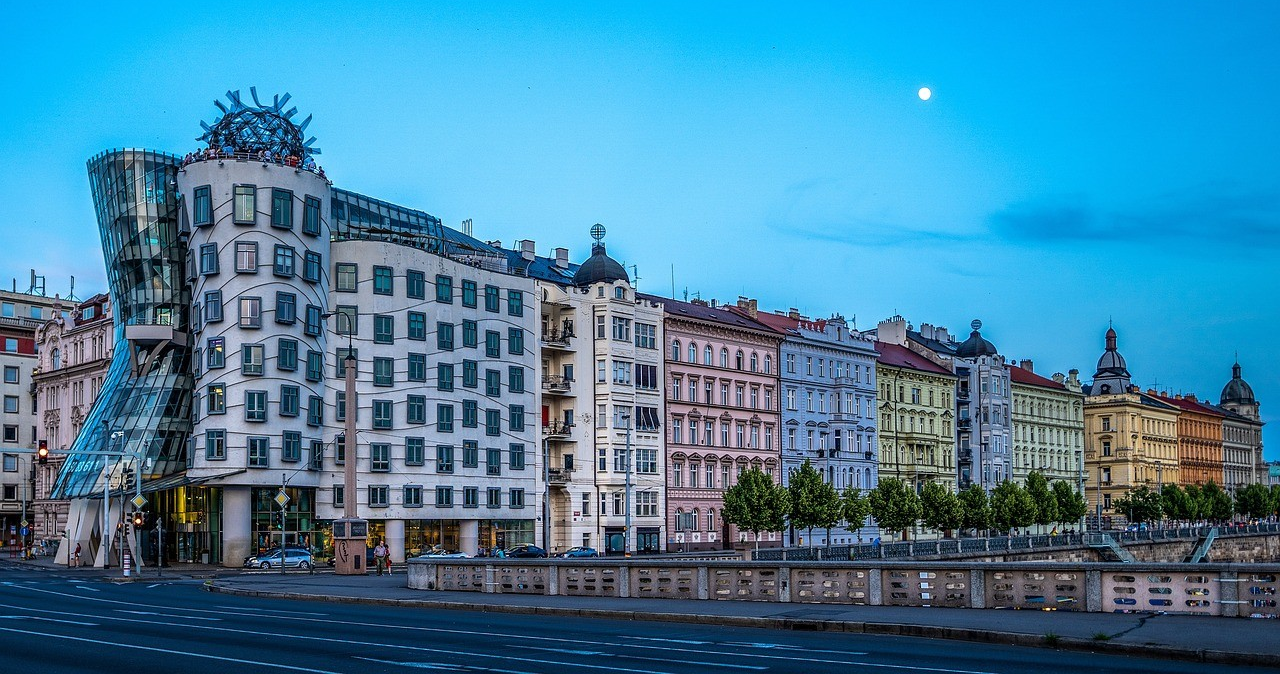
point(619, 293)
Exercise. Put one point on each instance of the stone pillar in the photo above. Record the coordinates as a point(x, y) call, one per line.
point(704, 587)
point(1229, 594)
point(784, 584)
point(1093, 591)
point(977, 588)
point(875, 587)
point(395, 541)
point(553, 579)
point(469, 536)
point(624, 581)
point(237, 530)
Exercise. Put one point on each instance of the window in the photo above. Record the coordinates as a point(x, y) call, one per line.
point(647, 461)
point(415, 284)
point(11, 404)
point(315, 365)
point(347, 320)
point(378, 495)
point(384, 328)
point(493, 497)
point(492, 383)
point(600, 323)
point(492, 422)
point(517, 418)
point(724, 357)
point(491, 300)
point(284, 261)
point(468, 293)
point(346, 277)
point(11, 374)
point(469, 334)
point(417, 326)
point(287, 354)
point(444, 417)
point(444, 376)
point(413, 496)
point(202, 206)
point(515, 379)
point(515, 341)
point(382, 414)
point(286, 308)
point(311, 216)
point(245, 204)
point(382, 284)
point(383, 371)
point(379, 457)
point(470, 414)
point(311, 325)
point(676, 431)
point(621, 329)
point(246, 257)
point(492, 344)
point(215, 353)
point(706, 355)
point(622, 372)
point(646, 504)
point(414, 451)
point(493, 461)
point(216, 399)
point(255, 405)
point(250, 312)
point(444, 497)
point(215, 444)
point(677, 472)
point(259, 452)
point(209, 259)
point(291, 446)
point(417, 367)
point(517, 456)
point(251, 359)
point(416, 409)
point(470, 374)
point(282, 209)
point(290, 400)
point(647, 377)
point(444, 289)
point(647, 337)
point(338, 496)
point(517, 498)
point(515, 303)
point(470, 497)
point(444, 459)
point(444, 336)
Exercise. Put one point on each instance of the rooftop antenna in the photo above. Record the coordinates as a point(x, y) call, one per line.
point(37, 284)
point(72, 297)
point(635, 277)
point(673, 281)
point(467, 227)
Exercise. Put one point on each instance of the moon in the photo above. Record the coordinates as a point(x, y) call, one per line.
point(924, 93)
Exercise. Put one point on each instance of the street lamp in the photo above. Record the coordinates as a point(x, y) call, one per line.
point(626, 527)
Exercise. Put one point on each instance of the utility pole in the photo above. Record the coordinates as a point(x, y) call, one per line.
point(626, 527)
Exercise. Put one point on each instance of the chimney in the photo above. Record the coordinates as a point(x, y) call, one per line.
point(526, 250)
point(1191, 397)
point(750, 306)
point(713, 304)
point(1027, 365)
point(892, 331)
point(943, 335)
point(793, 313)
point(698, 301)
point(562, 258)
point(926, 330)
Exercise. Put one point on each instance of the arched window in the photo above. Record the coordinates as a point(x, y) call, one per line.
point(868, 482)
point(711, 519)
point(693, 352)
point(737, 360)
point(57, 359)
point(693, 520)
point(755, 362)
point(706, 355)
point(675, 350)
point(768, 364)
point(724, 357)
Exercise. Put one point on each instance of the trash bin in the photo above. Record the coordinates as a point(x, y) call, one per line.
point(204, 557)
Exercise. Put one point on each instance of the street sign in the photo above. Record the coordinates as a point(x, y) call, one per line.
point(138, 501)
point(26, 532)
point(25, 524)
point(282, 498)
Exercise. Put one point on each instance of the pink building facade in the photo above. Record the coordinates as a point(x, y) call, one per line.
point(722, 418)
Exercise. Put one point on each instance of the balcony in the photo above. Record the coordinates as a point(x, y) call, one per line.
point(964, 424)
point(966, 455)
point(560, 476)
point(962, 395)
point(844, 382)
point(557, 385)
point(557, 430)
point(558, 339)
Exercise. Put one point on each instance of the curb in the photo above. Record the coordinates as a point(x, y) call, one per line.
point(1207, 656)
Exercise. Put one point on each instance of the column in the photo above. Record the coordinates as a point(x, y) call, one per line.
point(237, 532)
point(468, 536)
point(395, 540)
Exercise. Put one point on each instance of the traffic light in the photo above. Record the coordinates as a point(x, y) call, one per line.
point(139, 518)
point(43, 452)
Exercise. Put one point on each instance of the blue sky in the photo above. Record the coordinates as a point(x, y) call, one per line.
point(1077, 162)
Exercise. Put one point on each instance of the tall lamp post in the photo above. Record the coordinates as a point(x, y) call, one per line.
point(349, 557)
point(626, 527)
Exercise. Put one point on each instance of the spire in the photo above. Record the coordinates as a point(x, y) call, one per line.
point(1111, 337)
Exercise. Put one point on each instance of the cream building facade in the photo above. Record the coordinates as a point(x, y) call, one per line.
point(916, 418)
point(1048, 425)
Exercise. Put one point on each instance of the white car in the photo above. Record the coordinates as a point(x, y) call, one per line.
point(443, 554)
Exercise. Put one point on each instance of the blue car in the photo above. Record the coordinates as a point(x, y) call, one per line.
point(580, 551)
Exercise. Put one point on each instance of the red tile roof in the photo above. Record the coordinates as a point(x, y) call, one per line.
point(1189, 405)
point(901, 356)
point(1023, 376)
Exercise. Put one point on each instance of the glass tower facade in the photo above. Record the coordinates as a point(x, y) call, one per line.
point(145, 404)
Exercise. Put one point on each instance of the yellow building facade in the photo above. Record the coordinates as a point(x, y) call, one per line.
point(916, 418)
point(1048, 425)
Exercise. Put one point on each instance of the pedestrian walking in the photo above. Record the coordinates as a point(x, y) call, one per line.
point(380, 556)
point(76, 555)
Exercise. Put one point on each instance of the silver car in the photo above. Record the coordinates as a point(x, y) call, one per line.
point(293, 558)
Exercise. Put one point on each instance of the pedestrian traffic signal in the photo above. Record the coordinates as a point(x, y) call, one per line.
point(43, 452)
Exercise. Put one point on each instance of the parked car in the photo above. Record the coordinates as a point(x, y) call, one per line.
point(293, 557)
point(444, 554)
point(526, 551)
point(580, 551)
point(1137, 527)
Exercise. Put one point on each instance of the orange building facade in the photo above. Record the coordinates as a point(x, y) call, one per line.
point(1200, 450)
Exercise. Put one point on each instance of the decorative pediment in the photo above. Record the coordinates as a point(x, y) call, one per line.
point(791, 422)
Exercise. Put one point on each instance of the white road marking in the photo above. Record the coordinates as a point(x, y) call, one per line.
point(169, 615)
point(671, 641)
point(86, 587)
point(269, 610)
point(700, 663)
point(166, 650)
point(414, 665)
point(51, 620)
point(154, 585)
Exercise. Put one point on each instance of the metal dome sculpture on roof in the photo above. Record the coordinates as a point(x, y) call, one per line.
point(599, 268)
point(258, 127)
point(976, 346)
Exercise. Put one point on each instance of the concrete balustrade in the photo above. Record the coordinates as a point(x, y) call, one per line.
point(1245, 590)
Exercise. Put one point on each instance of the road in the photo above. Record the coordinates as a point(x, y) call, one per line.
point(52, 622)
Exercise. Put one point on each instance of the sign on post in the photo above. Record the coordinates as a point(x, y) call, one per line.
point(138, 501)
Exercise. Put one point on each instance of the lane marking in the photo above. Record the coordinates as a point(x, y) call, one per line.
point(154, 649)
point(671, 641)
point(269, 610)
point(169, 615)
point(416, 665)
point(51, 620)
point(424, 665)
point(699, 663)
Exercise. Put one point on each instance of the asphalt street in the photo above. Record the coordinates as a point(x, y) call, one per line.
point(52, 621)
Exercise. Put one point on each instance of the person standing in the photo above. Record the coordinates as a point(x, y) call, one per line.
point(76, 555)
point(380, 556)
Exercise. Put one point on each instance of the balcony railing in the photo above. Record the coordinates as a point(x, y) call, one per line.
point(559, 475)
point(555, 338)
point(557, 384)
point(557, 429)
point(964, 423)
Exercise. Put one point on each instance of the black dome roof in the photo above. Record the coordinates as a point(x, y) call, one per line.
point(1111, 361)
point(976, 346)
point(1237, 390)
point(599, 268)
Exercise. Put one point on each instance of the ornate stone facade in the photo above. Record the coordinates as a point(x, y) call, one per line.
point(1048, 425)
point(917, 418)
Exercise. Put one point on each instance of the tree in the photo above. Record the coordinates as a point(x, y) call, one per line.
point(1176, 503)
point(830, 508)
point(1195, 503)
point(976, 508)
point(855, 507)
point(940, 508)
point(1254, 501)
point(1217, 503)
point(1011, 506)
point(1071, 504)
point(756, 504)
point(894, 505)
point(1139, 505)
point(1043, 497)
point(1275, 498)
point(803, 494)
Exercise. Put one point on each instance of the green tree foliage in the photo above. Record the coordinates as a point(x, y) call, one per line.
point(1011, 506)
point(1195, 503)
point(976, 508)
point(855, 508)
point(830, 508)
point(1176, 503)
point(756, 504)
point(1275, 499)
point(1139, 505)
point(1071, 505)
point(1043, 497)
point(1216, 503)
point(894, 505)
point(940, 508)
point(1254, 501)
point(802, 493)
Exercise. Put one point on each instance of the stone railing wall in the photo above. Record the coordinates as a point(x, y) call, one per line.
point(1200, 589)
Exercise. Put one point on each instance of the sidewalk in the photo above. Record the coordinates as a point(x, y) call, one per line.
point(1195, 638)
